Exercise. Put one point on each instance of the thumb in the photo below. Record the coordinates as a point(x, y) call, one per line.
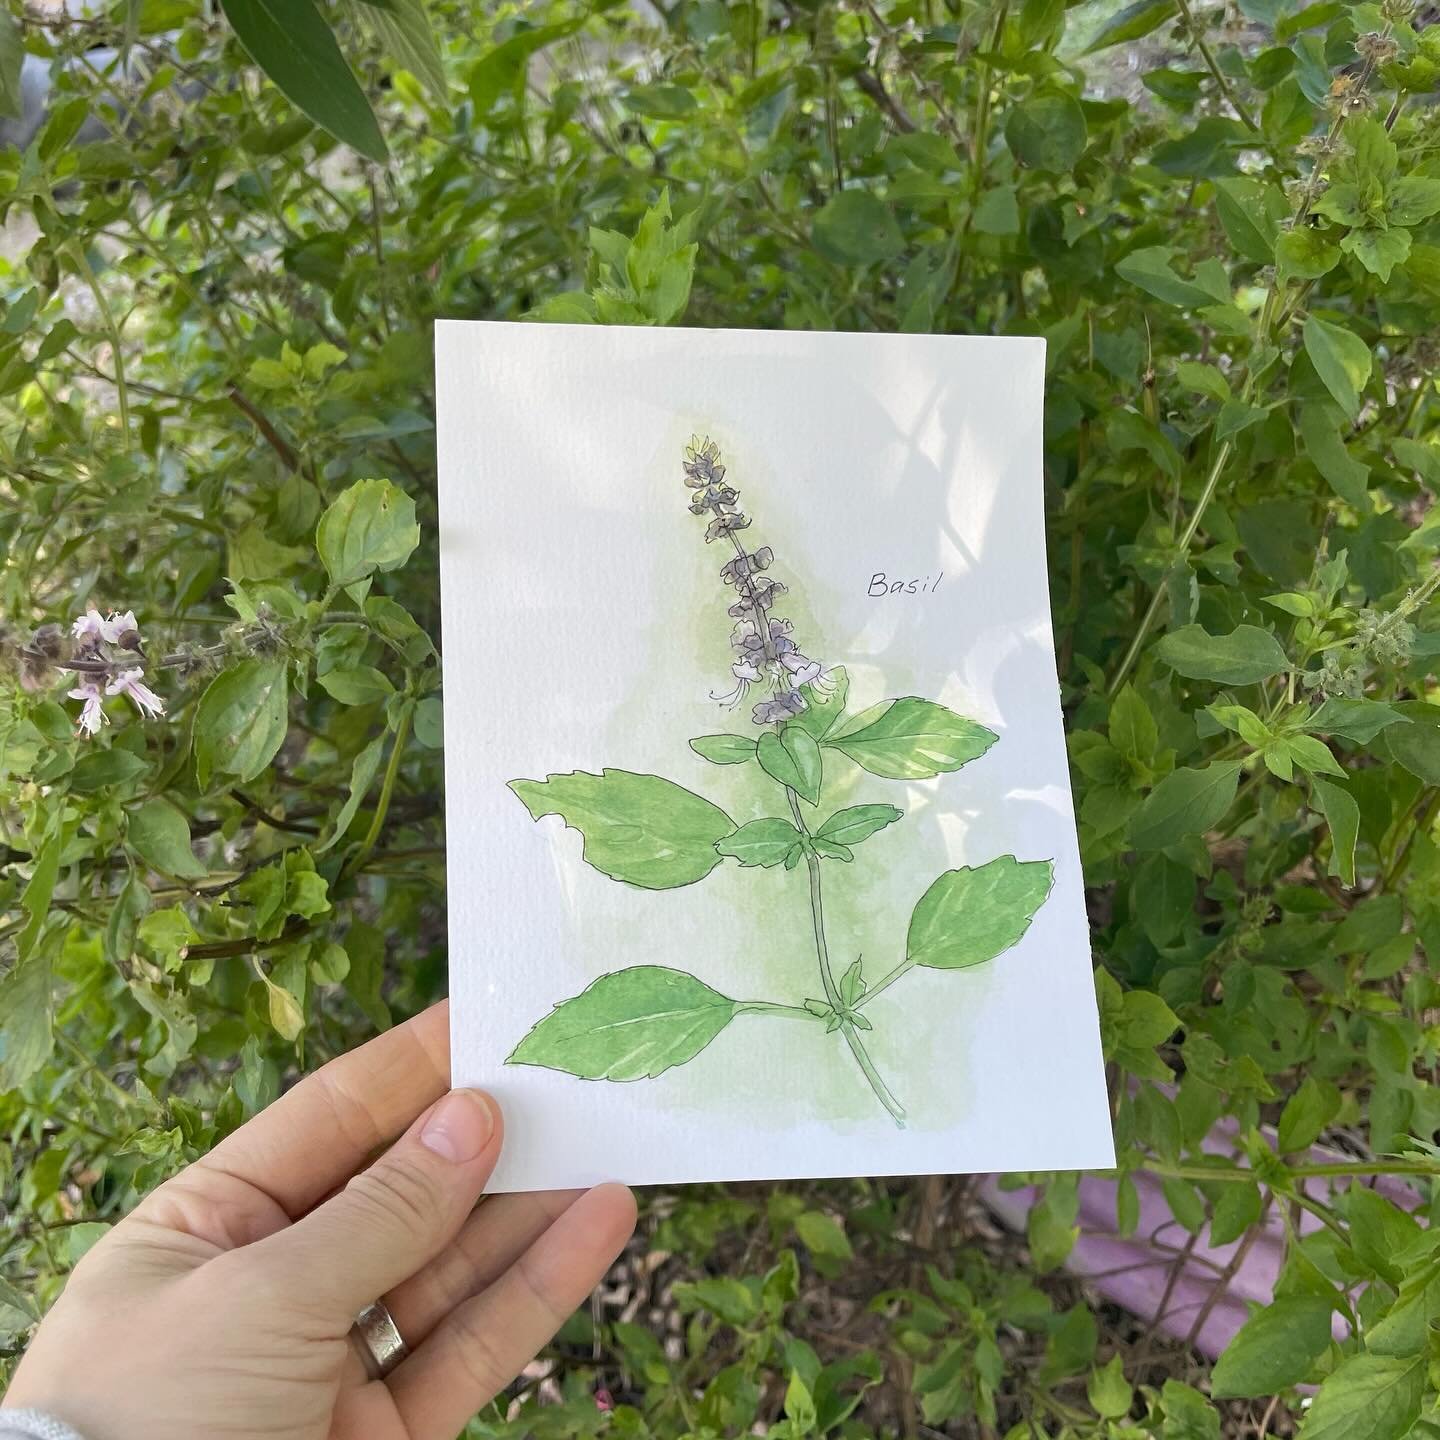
point(395, 1217)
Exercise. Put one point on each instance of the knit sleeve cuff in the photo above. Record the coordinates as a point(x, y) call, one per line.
point(32, 1425)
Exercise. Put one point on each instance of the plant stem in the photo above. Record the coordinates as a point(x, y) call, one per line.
point(122, 390)
point(1360, 1169)
point(387, 789)
point(766, 1007)
point(1198, 36)
point(903, 968)
point(827, 979)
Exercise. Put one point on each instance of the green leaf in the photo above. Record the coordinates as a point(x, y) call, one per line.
point(1379, 251)
point(102, 768)
point(1343, 362)
point(1246, 655)
point(406, 32)
point(1047, 131)
point(159, 834)
point(1235, 417)
point(290, 41)
point(430, 723)
point(12, 57)
point(1185, 802)
point(632, 1025)
point(1164, 895)
point(1131, 23)
point(822, 1235)
point(369, 527)
point(1109, 1392)
point(363, 770)
point(1277, 1347)
point(638, 829)
point(997, 213)
point(724, 749)
point(761, 842)
point(857, 823)
point(1416, 746)
point(1320, 430)
point(856, 228)
point(824, 712)
point(240, 721)
point(1370, 1397)
point(503, 68)
point(1354, 719)
point(910, 739)
point(1379, 1232)
point(793, 758)
point(1304, 254)
point(1150, 269)
point(358, 685)
point(1342, 815)
point(1249, 212)
point(1306, 1114)
point(971, 915)
point(26, 1021)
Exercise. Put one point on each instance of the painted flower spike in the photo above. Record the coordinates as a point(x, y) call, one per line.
point(765, 652)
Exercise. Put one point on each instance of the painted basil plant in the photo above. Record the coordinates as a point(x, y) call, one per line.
point(651, 833)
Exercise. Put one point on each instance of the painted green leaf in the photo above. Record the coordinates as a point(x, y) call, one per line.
point(1185, 802)
point(291, 42)
point(911, 739)
point(857, 822)
point(639, 829)
point(241, 720)
point(724, 749)
point(823, 712)
point(1047, 131)
point(632, 1025)
point(1277, 1347)
point(856, 228)
point(371, 526)
point(159, 834)
point(761, 842)
point(1343, 362)
point(1342, 815)
point(971, 915)
point(1243, 657)
point(1370, 1397)
point(793, 758)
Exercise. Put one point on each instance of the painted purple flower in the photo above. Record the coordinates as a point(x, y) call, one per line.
point(92, 713)
point(128, 682)
point(765, 652)
point(783, 706)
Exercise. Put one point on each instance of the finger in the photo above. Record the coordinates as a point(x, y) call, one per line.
point(489, 1242)
point(392, 1218)
point(317, 1135)
point(480, 1347)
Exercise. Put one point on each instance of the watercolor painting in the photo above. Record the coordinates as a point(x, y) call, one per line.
point(650, 833)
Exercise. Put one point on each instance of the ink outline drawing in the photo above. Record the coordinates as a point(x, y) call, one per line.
point(652, 834)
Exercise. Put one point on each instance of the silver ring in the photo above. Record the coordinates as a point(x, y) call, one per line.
point(381, 1345)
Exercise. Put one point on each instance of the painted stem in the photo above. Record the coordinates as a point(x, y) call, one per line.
point(827, 979)
point(767, 1007)
point(903, 968)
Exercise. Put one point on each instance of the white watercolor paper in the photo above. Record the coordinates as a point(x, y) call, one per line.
point(897, 482)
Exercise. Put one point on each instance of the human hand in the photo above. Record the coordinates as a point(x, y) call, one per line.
point(223, 1304)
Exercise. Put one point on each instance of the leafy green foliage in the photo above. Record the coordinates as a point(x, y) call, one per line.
point(1227, 448)
point(641, 829)
point(632, 1025)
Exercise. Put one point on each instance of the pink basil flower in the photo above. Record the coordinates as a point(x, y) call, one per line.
point(128, 682)
point(92, 713)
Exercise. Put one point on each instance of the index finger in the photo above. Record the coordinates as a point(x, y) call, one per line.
point(317, 1135)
